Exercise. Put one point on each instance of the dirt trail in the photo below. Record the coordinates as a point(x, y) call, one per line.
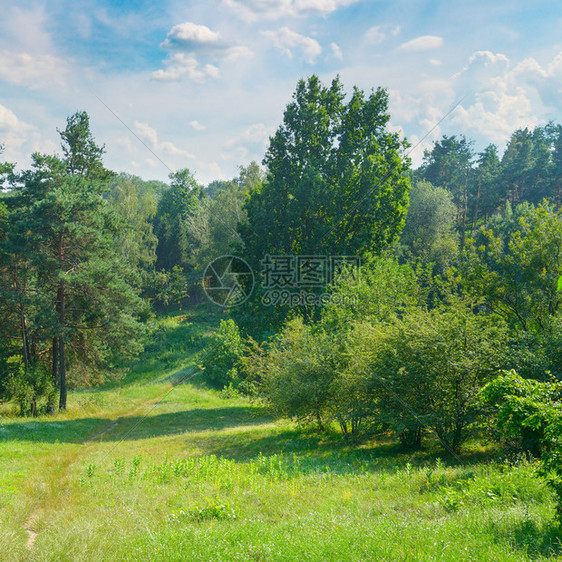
point(30, 526)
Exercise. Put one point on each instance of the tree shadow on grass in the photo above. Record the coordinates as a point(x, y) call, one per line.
point(379, 454)
point(131, 428)
point(535, 540)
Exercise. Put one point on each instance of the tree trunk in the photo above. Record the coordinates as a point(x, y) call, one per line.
point(23, 324)
point(464, 211)
point(61, 353)
point(55, 369)
point(475, 218)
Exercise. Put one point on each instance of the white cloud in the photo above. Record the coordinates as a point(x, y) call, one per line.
point(496, 114)
point(258, 133)
point(181, 65)
point(13, 132)
point(26, 28)
point(286, 40)
point(546, 81)
point(33, 71)
point(501, 99)
point(19, 139)
point(252, 10)
point(197, 126)
point(237, 52)
point(188, 40)
point(320, 6)
point(375, 35)
point(190, 36)
point(423, 43)
point(336, 51)
point(252, 141)
point(380, 33)
point(147, 133)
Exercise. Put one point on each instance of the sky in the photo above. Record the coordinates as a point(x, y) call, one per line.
point(203, 84)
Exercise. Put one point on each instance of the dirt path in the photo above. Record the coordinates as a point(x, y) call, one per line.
point(31, 524)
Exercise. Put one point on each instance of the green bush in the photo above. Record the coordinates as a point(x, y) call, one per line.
point(530, 412)
point(31, 388)
point(221, 362)
point(425, 370)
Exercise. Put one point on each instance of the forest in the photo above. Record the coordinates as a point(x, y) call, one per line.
point(440, 330)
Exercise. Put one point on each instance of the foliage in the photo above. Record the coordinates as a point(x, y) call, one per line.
point(72, 300)
point(221, 362)
point(171, 224)
point(516, 267)
point(31, 388)
point(215, 227)
point(428, 233)
point(335, 180)
point(531, 412)
point(296, 373)
point(380, 291)
point(425, 370)
point(522, 409)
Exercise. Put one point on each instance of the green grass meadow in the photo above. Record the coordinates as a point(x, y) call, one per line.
point(153, 468)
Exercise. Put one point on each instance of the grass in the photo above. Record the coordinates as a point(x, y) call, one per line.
point(151, 470)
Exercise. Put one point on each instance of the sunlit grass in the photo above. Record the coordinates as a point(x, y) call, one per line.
point(146, 470)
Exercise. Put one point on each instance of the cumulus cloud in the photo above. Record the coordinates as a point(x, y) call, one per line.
point(336, 51)
point(423, 43)
point(546, 81)
point(501, 97)
point(287, 40)
point(181, 65)
point(13, 132)
point(33, 71)
point(197, 126)
point(187, 42)
point(19, 139)
point(148, 134)
point(189, 36)
point(252, 10)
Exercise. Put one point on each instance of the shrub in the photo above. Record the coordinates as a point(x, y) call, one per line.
point(221, 363)
point(31, 388)
point(531, 412)
point(425, 370)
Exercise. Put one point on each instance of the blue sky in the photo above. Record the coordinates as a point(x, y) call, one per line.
point(204, 83)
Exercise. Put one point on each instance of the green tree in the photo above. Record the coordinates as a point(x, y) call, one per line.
point(175, 208)
point(528, 415)
point(137, 241)
point(449, 165)
point(486, 192)
point(214, 227)
point(335, 177)
point(425, 370)
point(515, 265)
point(429, 233)
point(296, 373)
point(70, 233)
point(381, 291)
point(222, 365)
